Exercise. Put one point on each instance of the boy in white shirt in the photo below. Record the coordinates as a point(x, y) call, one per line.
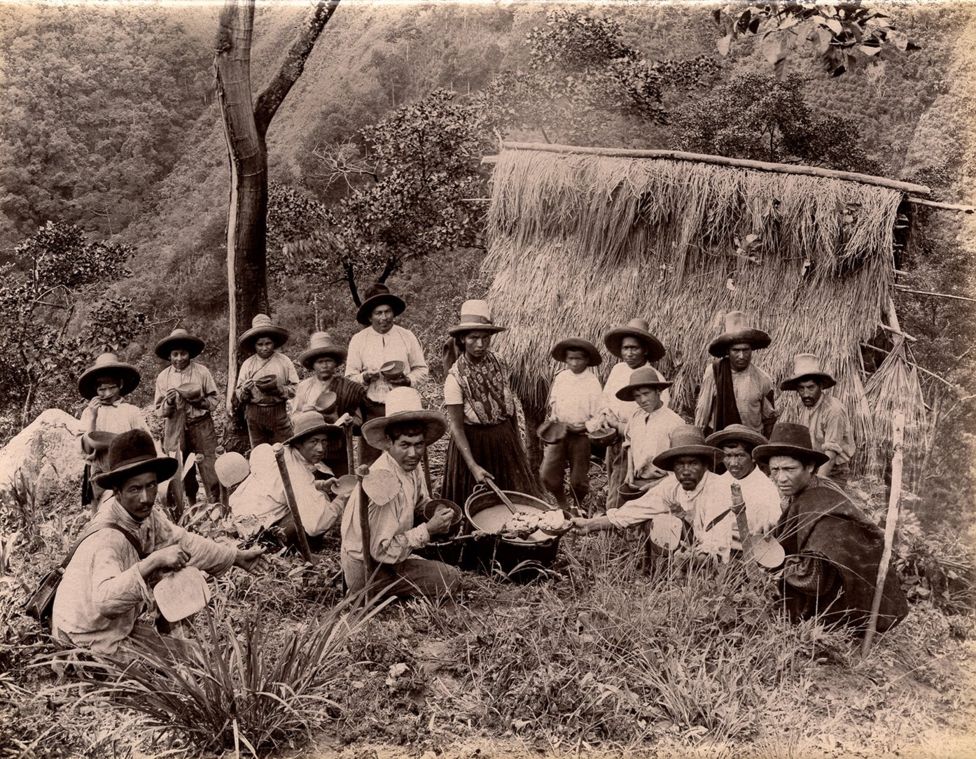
point(575, 401)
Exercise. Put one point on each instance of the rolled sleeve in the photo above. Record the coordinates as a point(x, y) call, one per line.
point(116, 590)
point(651, 504)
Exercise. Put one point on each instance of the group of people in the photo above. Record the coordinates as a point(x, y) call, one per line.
point(783, 481)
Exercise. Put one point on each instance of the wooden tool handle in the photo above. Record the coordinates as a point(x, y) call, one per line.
point(279, 452)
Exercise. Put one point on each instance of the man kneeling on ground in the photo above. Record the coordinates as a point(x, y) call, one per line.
point(402, 434)
point(106, 585)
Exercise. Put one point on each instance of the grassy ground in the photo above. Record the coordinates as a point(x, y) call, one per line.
point(598, 659)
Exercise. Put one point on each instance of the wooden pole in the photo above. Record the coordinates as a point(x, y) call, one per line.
point(904, 289)
point(891, 521)
point(945, 206)
point(740, 163)
point(279, 452)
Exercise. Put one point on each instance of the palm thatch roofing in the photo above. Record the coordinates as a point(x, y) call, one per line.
point(582, 240)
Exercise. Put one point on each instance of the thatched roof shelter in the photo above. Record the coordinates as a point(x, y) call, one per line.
point(583, 239)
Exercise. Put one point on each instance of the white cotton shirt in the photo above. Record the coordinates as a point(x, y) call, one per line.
point(575, 398)
point(369, 350)
point(648, 435)
point(762, 503)
point(620, 377)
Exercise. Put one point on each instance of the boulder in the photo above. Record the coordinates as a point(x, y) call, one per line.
point(43, 463)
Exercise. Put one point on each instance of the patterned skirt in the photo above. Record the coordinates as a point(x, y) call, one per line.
point(496, 447)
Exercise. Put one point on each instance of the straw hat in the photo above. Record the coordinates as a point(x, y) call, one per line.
point(132, 453)
point(646, 376)
point(807, 366)
point(738, 329)
point(790, 440)
point(736, 433)
point(637, 328)
point(232, 468)
point(261, 326)
point(560, 349)
point(306, 423)
point(321, 344)
point(179, 338)
point(378, 294)
point(403, 404)
point(475, 315)
point(108, 365)
point(687, 440)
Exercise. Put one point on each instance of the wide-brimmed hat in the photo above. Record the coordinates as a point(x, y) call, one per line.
point(179, 338)
point(232, 468)
point(790, 440)
point(807, 366)
point(639, 329)
point(378, 294)
point(321, 344)
point(306, 423)
point(646, 376)
point(687, 440)
point(403, 404)
point(131, 453)
point(108, 364)
point(475, 316)
point(560, 349)
point(262, 326)
point(736, 433)
point(738, 329)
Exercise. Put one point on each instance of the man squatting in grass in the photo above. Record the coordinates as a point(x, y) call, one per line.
point(265, 382)
point(259, 502)
point(186, 394)
point(574, 400)
point(823, 415)
point(691, 494)
point(402, 435)
point(123, 550)
point(104, 384)
point(635, 346)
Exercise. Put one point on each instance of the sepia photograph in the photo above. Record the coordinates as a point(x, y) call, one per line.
point(487, 379)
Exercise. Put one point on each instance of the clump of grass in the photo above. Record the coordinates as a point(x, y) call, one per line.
point(251, 691)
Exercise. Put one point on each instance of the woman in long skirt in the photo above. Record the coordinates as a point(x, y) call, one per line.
point(485, 441)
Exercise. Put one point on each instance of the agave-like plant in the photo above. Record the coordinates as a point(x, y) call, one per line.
point(227, 690)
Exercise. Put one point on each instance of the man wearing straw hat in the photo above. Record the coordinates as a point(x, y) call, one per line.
point(761, 496)
point(635, 346)
point(129, 542)
point(691, 493)
point(823, 415)
point(186, 396)
point(734, 390)
point(261, 502)
point(402, 435)
point(265, 382)
point(104, 384)
point(330, 394)
point(381, 345)
point(832, 549)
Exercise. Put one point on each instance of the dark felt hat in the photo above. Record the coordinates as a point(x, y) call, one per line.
point(639, 329)
point(108, 365)
point(560, 349)
point(646, 376)
point(378, 294)
point(736, 433)
point(179, 338)
point(807, 366)
point(687, 440)
point(132, 453)
point(262, 326)
point(790, 440)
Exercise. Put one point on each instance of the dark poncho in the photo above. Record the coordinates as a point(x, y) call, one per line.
point(832, 555)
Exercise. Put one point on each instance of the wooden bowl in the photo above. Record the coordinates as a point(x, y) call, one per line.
point(604, 436)
point(325, 402)
point(97, 442)
point(628, 492)
point(392, 370)
point(190, 391)
point(267, 380)
point(551, 431)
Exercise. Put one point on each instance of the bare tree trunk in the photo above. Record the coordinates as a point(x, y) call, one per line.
point(246, 125)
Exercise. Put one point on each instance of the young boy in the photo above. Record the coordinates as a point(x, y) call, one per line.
point(104, 384)
point(647, 432)
point(574, 400)
point(266, 382)
point(186, 394)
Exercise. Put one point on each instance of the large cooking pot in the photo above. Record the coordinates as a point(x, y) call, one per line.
point(485, 512)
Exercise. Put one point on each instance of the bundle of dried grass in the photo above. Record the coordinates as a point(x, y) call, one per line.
point(581, 243)
point(893, 387)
